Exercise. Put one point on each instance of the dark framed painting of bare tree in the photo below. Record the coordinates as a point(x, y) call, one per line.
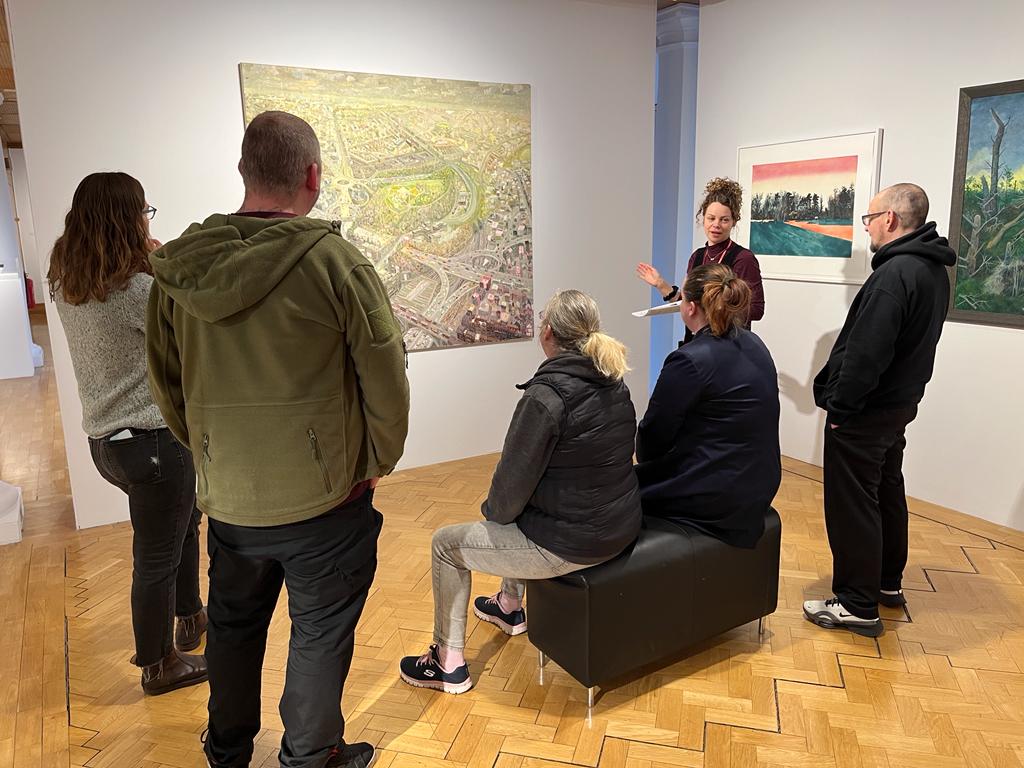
point(987, 212)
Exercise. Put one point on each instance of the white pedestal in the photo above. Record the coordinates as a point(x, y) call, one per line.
point(16, 338)
point(12, 513)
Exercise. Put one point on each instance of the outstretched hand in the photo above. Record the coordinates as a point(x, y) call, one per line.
point(648, 274)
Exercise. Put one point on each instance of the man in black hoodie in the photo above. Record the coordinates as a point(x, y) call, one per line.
point(870, 387)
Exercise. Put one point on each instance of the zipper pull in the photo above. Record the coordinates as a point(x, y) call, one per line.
point(405, 351)
point(312, 443)
point(206, 447)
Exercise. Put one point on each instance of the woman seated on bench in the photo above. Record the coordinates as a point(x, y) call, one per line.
point(563, 497)
point(708, 446)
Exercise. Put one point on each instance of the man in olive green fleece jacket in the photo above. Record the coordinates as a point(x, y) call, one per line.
point(275, 355)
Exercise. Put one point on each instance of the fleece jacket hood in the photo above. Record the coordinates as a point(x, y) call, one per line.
point(229, 263)
point(275, 356)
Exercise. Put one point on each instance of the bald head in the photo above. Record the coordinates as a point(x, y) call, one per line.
point(277, 151)
point(908, 201)
point(894, 212)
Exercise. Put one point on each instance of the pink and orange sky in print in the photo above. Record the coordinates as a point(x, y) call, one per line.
point(820, 176)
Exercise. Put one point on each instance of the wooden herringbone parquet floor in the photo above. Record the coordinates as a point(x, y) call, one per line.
point(943, 687)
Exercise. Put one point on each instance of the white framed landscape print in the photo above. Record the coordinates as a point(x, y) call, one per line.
point(802, 206)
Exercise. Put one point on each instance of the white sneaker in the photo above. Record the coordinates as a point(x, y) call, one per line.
point(830, 614)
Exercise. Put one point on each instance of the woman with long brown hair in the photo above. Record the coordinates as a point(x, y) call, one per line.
point(99, 279)
point(708, 446)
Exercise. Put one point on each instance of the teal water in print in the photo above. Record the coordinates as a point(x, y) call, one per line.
point(779, 239)
point(837, 222)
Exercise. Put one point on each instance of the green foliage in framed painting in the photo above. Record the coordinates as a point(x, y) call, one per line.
point(987, 210)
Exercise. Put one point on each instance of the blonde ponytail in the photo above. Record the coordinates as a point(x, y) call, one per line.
point(575, 322)
point(608, 354)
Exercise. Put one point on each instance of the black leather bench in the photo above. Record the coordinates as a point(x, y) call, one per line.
point(674, 588)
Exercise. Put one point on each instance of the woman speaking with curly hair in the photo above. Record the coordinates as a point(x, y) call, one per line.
point(719, 212)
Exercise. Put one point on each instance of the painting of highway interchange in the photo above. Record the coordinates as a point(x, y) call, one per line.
point(431, 180)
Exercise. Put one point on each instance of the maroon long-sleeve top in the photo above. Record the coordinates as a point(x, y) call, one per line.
point(744, 264)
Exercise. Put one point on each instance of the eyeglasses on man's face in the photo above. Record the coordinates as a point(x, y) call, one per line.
point(149, 212)
point(867, 217)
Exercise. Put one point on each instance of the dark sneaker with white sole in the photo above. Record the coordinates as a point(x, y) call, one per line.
point(891, 598)
point(830, 614)
point(489, 609)
point(358, 755)
point(425, 672)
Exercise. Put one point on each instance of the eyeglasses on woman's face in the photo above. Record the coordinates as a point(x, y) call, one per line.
point(149, 212)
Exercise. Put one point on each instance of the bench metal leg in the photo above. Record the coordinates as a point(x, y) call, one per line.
point(543, 659)
point(591, 696)
point(760, 628)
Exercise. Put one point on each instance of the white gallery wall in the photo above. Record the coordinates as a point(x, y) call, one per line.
point(792, 69)
point(25, 220)
point(151, 88)
point(15, 329)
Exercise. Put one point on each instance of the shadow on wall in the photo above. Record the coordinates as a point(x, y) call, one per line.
point(801, 393)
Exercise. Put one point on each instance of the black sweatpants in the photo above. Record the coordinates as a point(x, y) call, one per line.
point(327, 565)
point(866, 506)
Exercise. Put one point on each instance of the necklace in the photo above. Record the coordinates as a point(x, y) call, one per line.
point(707, 248)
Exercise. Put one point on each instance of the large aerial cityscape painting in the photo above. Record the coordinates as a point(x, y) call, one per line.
point(431, 180)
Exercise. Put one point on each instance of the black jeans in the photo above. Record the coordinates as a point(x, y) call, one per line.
point(866, 506)
point(327, 565)
point(156, 472)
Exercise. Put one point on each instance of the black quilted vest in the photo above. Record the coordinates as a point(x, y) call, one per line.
point(587, 504)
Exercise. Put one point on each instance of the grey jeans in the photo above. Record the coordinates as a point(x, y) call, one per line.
point(500, 550)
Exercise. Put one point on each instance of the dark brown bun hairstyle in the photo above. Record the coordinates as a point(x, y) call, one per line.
point(724, 297)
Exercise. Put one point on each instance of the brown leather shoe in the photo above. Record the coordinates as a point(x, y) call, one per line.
point(177, 670)
point(189, 631)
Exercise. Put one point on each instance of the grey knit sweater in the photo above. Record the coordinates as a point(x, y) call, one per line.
point(107, 341)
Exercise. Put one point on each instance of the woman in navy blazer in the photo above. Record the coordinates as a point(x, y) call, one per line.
point(708, 446)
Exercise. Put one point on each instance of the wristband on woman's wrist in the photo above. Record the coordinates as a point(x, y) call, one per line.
point(671, 294)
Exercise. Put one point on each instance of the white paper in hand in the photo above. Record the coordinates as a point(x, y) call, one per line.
point(661, 309)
